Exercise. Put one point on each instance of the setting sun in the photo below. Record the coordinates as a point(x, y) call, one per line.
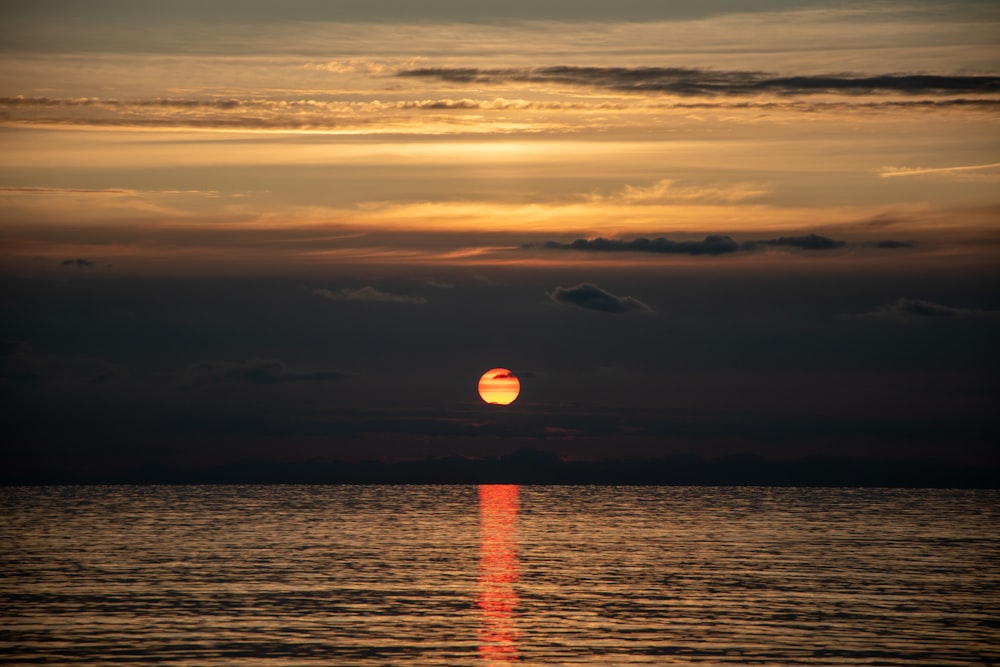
point(499, 386)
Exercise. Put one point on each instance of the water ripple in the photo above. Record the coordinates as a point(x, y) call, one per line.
point(319, 575)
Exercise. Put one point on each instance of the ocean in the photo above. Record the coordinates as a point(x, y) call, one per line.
point(498, 574)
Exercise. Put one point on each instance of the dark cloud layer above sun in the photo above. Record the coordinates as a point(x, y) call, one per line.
point(693, 81)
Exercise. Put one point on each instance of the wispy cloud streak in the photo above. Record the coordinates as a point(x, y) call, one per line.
point(893, 172)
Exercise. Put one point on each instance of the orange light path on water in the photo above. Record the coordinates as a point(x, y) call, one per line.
point(499, 571)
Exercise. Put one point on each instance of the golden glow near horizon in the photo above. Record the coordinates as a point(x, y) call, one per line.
point(201, 142)
point(499, 386)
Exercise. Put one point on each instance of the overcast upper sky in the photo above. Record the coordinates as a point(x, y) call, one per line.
point(303, 230)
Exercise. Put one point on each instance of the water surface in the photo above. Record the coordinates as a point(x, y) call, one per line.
point(460, 575)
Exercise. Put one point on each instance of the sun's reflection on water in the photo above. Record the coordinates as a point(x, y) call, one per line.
point(498, 572)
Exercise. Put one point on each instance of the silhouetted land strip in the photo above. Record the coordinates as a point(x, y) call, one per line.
point(529, 466)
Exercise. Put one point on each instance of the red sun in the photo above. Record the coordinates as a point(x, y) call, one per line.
point(499, 386)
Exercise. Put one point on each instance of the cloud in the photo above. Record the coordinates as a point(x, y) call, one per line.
point(464, 103)
point(436, 115)
point(713, 244)
point(244, 113)
point(368, 294)
point(591, 297)
point(350, 66)
point(666, 190)
point(916, 310)
point(110, 102)
point(893, 244)
point(808, 242)
point(253, 371)
point(789, 104)
point(113, 192)
point(962, 171)
point(60, 191)
point(79, 263)
point(693, 81)
point(253, 112)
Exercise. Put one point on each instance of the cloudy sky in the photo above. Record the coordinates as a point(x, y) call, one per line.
point(287, 231)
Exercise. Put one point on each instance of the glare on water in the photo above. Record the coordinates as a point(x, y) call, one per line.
point(498, 572)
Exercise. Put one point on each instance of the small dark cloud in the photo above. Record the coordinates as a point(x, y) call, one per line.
point(693, 81)
point(79, 263)
point(368, 294)
point(502, 376)
point(591, 297)
point(916, 310)
point(253, 372)
point(808, 242)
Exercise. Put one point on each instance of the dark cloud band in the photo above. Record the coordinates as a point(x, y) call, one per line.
point(713, 244)
point(692, 81)
point(307, 114)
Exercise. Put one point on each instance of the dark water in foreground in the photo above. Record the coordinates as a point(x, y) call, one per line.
point(376, 575)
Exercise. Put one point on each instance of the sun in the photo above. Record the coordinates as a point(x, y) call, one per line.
point(499, 386)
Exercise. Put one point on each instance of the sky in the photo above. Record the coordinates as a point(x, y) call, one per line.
point(302, 231)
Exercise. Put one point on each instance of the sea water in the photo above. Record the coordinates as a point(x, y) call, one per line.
point(492, 575)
